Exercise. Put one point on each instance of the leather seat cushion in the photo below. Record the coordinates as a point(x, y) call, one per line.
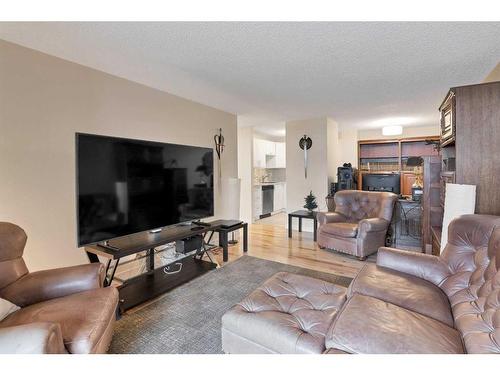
point(348, 230)
point(404, 290)
point(289, 313)
point(372, 326)
point(84, 317)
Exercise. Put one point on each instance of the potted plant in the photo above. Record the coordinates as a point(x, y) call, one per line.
point(310, 200)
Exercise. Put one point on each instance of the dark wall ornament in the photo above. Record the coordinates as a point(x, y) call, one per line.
point(219, 148)
point(305, 143)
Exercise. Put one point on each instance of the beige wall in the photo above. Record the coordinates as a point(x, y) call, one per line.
point(317, 177)
point(333, 149)
point(273, 138)
point(494, 75)
point(245, 169)
point(348, 146)
point(410, 131)
point(43, 102)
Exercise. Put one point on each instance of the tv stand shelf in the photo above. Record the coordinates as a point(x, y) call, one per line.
point(147, 286)
point(143, 241)
point(158, 280)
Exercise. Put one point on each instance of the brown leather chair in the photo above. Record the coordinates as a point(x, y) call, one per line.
point(405, 303)
point(359, 224)
point(63, 310)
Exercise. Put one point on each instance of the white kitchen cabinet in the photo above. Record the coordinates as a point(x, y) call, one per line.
point(264, 153)
point(259, 153)
point(257, 201)
point(270, 147)
point(268, 154)
point(280, 158)
point(271, 161)
point(279, 197)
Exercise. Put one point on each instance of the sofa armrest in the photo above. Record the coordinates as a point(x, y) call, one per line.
point(32, 338)
point(373, 225)
point(43, 285)
point(330, 217)
point(424, 266)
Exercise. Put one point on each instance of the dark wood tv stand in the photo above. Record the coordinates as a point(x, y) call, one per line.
point(157, 280)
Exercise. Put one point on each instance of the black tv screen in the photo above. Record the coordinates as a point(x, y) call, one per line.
point(382, 182)
point(126, 186)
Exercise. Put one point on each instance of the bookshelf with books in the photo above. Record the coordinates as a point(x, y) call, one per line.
point(390, 156)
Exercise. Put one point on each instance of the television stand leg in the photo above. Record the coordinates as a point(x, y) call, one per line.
point(203, 251)
point(150, 261)
point(108, 278)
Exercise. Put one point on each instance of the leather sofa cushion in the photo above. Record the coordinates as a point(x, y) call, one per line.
point(289, 313)
point(404, 290)
point(372, 326)
point(348, 230)
point(83, 317)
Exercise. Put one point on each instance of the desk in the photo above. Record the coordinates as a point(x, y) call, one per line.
point(302, 214)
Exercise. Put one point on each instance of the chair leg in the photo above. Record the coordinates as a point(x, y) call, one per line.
point(361, 258)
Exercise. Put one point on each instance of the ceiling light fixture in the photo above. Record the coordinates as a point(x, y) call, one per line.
point(392, 130)
point(392, 121)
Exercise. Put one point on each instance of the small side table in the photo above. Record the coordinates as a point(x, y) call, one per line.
point(302, 214)
point(223, 236)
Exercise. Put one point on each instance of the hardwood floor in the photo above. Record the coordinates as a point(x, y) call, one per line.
point(268, 239)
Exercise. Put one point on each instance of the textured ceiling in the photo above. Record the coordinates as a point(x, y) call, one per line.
point(357, 73)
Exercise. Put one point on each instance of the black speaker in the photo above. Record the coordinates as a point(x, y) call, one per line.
point(345, 177)
point(187, 245)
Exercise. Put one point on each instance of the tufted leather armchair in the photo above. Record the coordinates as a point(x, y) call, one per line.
point(62, 310)
point(359, 224)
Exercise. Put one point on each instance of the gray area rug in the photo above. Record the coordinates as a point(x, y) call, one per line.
point(188, 318)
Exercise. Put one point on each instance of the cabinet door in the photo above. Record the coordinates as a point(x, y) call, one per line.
point(259, 153)
point(270, 147)
point(257, 201)
point(271, 161)
point(280, 155)
point(279, 197)
point(408, 180)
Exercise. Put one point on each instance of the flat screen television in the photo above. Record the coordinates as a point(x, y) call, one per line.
point(126, 186)
point(382, 182)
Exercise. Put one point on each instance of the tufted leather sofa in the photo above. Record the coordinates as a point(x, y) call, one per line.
point(287, 314)
point(359, 224)
point(62, 310)
point(405, 303)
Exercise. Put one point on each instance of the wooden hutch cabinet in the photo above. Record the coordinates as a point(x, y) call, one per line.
point(470, 145)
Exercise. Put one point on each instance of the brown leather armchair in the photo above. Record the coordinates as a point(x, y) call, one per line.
point(63, 310)
point(359, 224)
